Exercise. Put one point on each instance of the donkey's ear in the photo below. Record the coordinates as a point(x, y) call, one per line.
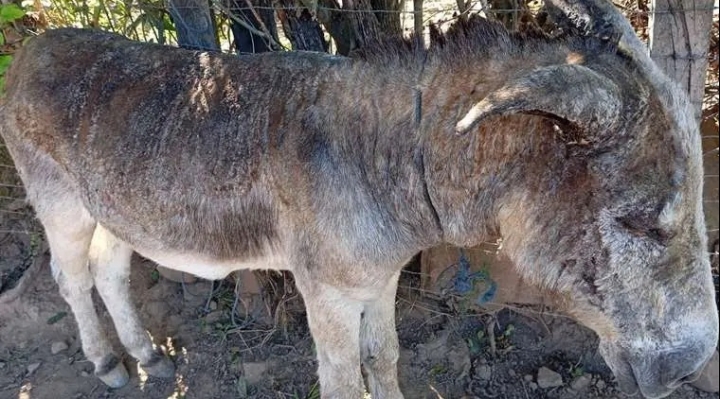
point(568, 93)
point(602, 19)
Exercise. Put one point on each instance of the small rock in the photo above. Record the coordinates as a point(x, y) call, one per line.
point(253, 372)
point(84, 373)
point(173, 324)
point(406, 356)
point(708, 380)
point(512, 373)
point(547, 378)
point(157, 309)
point(483, 372)
point(58, 347)
point(213, 305)
point(600, 384)
point(32, 367)
point(581, 382)
point(532, 386)
point(528, 378)
point(2, 365)
point(196, 294)
point(86, 367)
point(460, 353)
point(435, 348)
point(215, 316)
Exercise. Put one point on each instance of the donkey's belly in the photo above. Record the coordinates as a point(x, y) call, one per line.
point(213, 269)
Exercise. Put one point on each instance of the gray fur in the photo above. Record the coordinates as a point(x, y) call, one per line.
point(317, 164)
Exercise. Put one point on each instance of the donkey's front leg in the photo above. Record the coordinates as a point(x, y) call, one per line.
point(379, 343)
point(334, 321)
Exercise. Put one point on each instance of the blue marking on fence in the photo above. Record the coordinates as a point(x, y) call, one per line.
point(465, 282)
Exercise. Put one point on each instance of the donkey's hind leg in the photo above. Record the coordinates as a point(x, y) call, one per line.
point(110, 260)
point(69, 229)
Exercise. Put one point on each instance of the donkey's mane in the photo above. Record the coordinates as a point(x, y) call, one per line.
point(476, 36)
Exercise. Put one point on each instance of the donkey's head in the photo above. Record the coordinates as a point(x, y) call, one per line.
point(619, 234)
point(656, 287)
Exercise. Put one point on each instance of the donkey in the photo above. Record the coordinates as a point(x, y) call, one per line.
point(575, 148)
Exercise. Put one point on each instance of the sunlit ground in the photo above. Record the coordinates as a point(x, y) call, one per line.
point(25, 391)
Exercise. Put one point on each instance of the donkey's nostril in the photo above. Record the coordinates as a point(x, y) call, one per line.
point(677, 383)
point(687, 378)
point(692, 376)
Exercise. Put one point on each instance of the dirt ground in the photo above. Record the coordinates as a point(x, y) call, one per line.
point(443, 355)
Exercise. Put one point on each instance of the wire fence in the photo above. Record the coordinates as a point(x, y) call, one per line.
point(151, 21)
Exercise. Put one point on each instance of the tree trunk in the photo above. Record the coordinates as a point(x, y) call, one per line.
point(418, 23)
point(194, 24)
point(364, 22)
point(679, 43)
point(338, 25)
point(679, 37)
point(261, 20)
point(389, 21)
point(507, 11)
point(355, 24)
point(303, 31)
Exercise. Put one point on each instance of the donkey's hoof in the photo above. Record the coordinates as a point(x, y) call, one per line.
point(159, 366)
point(112, 372)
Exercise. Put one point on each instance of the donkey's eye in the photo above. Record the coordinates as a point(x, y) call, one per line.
point(632, 224)
point(659, 235)
point(641, 227)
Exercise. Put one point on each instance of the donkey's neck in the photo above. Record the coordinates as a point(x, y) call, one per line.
point(471, 177)
point(400, 145)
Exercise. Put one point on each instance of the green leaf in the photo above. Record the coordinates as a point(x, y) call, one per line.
point(5, 61)
point(473, 346)
point(168, 25)
point(2, 39)
point(57, 317)
point(577, 371)
point(509, 330)
point(10, 12)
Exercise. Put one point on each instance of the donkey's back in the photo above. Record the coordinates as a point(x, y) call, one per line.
point(170, 150)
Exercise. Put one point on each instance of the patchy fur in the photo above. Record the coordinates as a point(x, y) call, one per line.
point(341, 169)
